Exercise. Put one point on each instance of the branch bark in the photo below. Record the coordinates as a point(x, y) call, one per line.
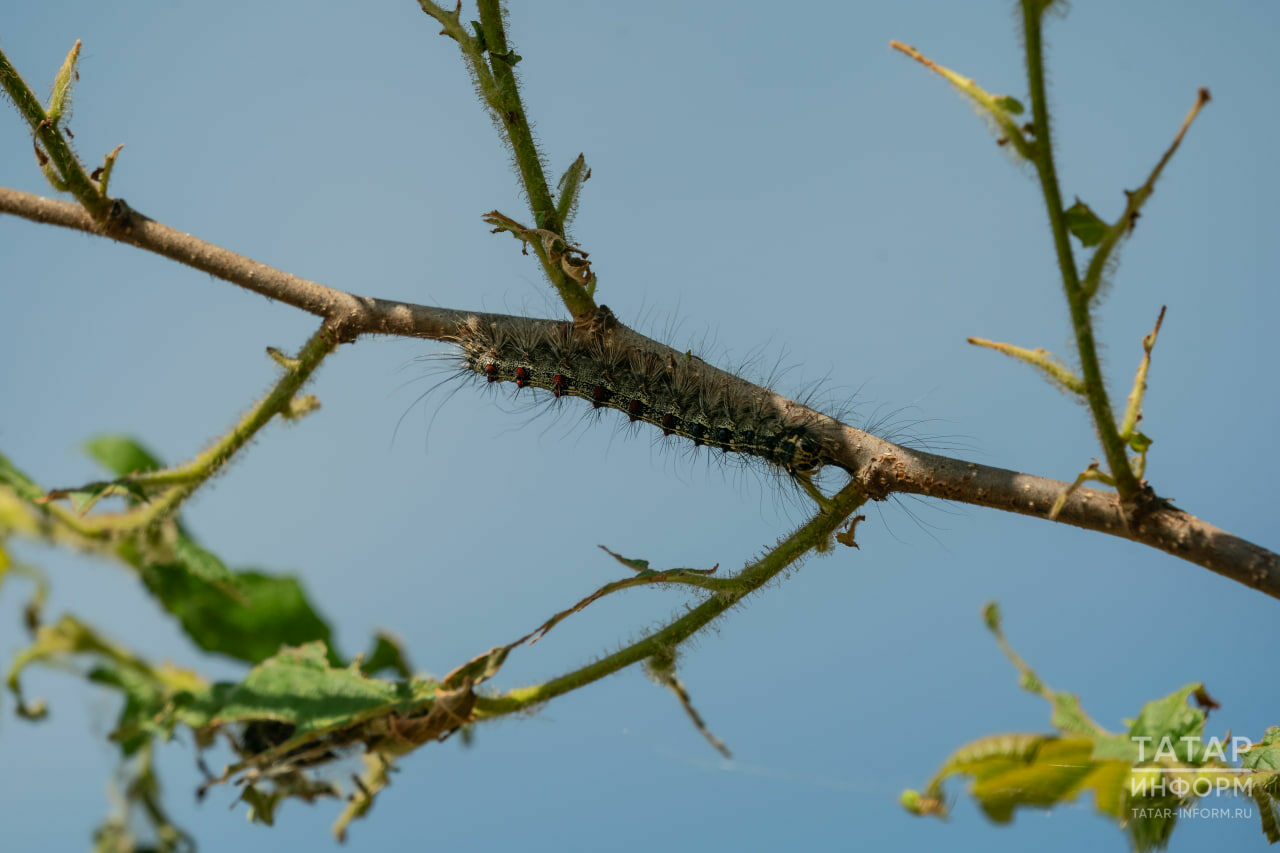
point(883, 468)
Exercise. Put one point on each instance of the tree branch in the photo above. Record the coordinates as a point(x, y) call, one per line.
point(882, 467)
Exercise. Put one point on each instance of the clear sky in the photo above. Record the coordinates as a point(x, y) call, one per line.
point(767, 183)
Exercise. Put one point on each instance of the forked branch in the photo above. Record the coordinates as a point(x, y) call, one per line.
point(883, 468)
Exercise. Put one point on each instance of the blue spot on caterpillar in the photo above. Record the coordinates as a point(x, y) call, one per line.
point(669, 391)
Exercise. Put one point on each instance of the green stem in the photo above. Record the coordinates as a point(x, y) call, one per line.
point(59, 151)
point(510, 110)
point(506, 104)
point(1095, 390)
point(189, 477)
point(500, 91)
point(814, 534)
point(1136, 199)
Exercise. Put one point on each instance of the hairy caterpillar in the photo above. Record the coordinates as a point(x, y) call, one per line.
point(669, 391)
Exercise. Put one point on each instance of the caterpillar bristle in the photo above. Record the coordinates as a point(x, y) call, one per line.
point(674, 394)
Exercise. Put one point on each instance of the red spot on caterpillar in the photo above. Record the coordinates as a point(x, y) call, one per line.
point(634, 410)
point(668, 424)
point(599, 396)
point(559, 384)
point(491, 372)
point(522, 377)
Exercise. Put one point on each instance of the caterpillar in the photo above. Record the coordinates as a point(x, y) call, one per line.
point(668, 390)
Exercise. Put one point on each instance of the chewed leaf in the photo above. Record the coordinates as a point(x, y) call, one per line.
point(1264, 755)
point(480, 668)
point(1026, 770)
point(145, 687)
point(387, 654)
point(299, 687)
point(1171, 720)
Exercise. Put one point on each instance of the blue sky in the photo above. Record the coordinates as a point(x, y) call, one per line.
point(765, 184)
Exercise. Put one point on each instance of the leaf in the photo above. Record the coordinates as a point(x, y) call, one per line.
point(1139, 442)
point(1026, 770)
point(570, 183)
point(21, 484)
point(387, 653)
point(1052, 774)
point(83, 498)
point(1264, 755)
point(479, 669)
point(60, 98)
point(146, 688)
point(1085, 224)
point(1168, 721)
point(121, 455)
point(270, 612)
point(991, 616)
point(1068, 716)
point(1009, 104)
point(299, 687)
point(1267, 814)
point(203, 565)
point(634, 565)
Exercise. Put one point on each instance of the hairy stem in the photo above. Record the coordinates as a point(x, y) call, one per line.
point(815, 534)
point(45, 129)
point(500, 91)
point(1095, 390)
point(187, 478)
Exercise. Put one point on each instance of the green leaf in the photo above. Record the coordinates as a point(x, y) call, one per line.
point(1085, 224)
point(1069, 717)
point(85, 497)
point(1264, 755)
point(633, 564)
point(1022, 770)
point(269, 612)
point(1170, 719)
point(991, 616)
point(60, 98)
point(146, 688)
point(299, 686)
point(23, 485)
point(144, 696)
point(386, 654)
point(1139, 442)
point(570, 183)
point(121, 455)
point(1052, 774)
point(203, 565)
point(1009, 104)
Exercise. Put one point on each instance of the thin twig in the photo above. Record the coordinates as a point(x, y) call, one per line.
point(816, 532)
point(1133, 205)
